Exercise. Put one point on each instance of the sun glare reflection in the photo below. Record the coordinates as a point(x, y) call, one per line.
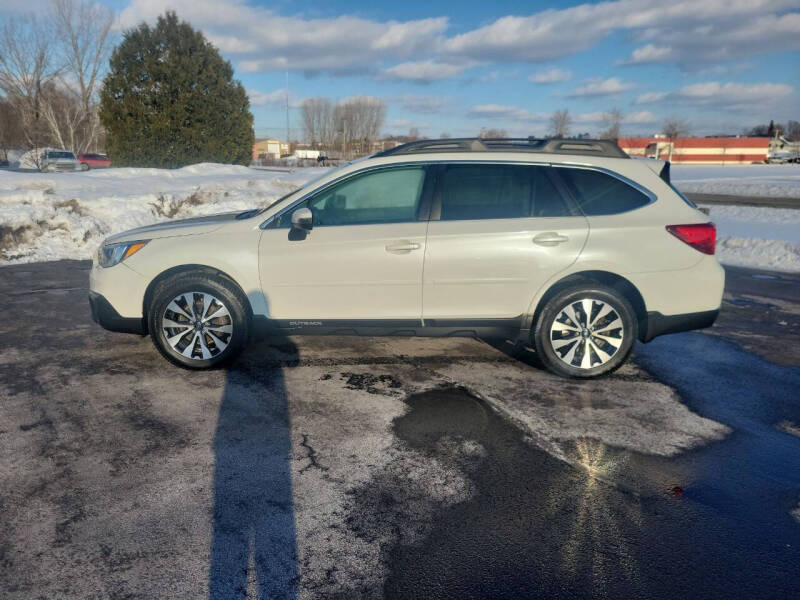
point(602, 529)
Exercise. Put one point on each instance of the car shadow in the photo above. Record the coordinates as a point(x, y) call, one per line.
point(518, 351)
point(253, 548)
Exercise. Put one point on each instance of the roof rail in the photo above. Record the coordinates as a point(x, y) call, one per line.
point(583, 147)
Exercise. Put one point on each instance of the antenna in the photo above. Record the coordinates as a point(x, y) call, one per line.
point(287, 107)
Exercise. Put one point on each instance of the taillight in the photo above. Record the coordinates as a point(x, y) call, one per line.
point(702, 237)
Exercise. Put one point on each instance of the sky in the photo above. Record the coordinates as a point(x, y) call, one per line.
point(455, 67)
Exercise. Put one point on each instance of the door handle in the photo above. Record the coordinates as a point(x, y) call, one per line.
point(402, 247)
point(550, 238)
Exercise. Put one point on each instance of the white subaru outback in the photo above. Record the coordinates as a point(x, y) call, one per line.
point(568, 246)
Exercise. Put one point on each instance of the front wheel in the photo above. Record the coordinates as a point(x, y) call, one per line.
point(198, 321)
point(84, 167)
point(585, 331)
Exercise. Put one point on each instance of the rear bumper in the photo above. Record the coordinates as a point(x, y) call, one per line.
point(658, 324)
point(108, 318)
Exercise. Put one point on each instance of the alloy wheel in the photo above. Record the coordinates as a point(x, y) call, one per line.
point(587, 333)
point(197, 325)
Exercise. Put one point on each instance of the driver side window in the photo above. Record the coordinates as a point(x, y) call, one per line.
point(384, 196)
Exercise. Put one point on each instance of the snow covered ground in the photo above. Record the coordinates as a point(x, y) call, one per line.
point(66, 215)
point(758, 237)
point(775, 181)
point(54, 216)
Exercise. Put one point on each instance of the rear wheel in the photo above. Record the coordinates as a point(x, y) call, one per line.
point(585, 331)
point(84, 167)
point(198, 321)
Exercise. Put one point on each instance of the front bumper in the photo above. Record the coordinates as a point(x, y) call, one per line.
point(108, 318)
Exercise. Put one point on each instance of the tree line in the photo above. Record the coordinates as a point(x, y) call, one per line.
point(51, 67)
point(163, 97)
point(348, 127)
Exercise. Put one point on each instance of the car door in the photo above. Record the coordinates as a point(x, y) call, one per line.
point(361, 261)
point(497, 233)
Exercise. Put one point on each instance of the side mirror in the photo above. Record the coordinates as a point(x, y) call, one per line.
point(303, 219)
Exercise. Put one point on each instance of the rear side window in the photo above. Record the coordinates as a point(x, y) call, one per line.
point(470, 192)
point(598, 193)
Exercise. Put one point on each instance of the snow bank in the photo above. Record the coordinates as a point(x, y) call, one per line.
point(56, 216)
point(775, 181)
point(758, 237)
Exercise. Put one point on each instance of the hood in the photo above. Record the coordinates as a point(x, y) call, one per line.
point(175, 228)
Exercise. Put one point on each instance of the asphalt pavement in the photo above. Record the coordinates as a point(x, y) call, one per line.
point(336, 467)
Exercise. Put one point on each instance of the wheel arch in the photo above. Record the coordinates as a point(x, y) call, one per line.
point(192, 268)
point(607, 278)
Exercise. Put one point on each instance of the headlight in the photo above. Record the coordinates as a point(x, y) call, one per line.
point(109, 255)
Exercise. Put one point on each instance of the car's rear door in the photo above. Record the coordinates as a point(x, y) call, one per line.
point(362, 261)
point(497, 233)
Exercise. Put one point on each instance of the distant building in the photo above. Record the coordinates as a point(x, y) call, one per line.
point(270, 148)
point(700, 151)
point(306, 153)
point(781, 149)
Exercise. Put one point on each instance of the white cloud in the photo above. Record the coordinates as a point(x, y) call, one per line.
point(406, 124)
point(650, 97)
point(642, 116)
point(500, 111)
point(425, 71)
point(274, 98)
point(720, 39)
point(262, 40)
point(599, 117)
point(649, 54)
point(421, 104)
point(731, 95)
point(723, 96)
point(554, 75)
point(18, 8)
point(258, 39)
point(601, 87)
point(540, 36)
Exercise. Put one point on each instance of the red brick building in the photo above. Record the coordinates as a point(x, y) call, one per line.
point(700, 151)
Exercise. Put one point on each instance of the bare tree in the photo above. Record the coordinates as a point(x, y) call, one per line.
point(793, 131)
point(444, 135)
point(413, 134)
point(674, 128)
point(358, 121)
point(560, 122)
point(317, 114)
point(26, 67)
point(50, 71)
point(612, 121)
point(492, 133)
point(82, 30)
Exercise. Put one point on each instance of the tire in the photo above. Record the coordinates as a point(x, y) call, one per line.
point(600, 347)
point(224, 321)
point(84, 167)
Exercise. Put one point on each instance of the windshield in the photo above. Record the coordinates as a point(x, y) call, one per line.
point(60, 154)
point(257, 211)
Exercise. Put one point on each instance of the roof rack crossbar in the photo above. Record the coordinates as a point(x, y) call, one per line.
point(584, 147)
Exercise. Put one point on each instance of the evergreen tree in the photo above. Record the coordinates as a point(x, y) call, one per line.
point(170, 100)
point(771, 129)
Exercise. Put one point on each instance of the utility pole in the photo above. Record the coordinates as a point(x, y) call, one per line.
point(287, 107)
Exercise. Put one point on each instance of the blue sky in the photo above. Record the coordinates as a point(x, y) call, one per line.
point(456, 67)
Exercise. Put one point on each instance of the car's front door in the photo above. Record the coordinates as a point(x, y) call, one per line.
point(497, 233)
point(361, 261)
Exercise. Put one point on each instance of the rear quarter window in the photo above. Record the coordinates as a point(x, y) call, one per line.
point(599, 193)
